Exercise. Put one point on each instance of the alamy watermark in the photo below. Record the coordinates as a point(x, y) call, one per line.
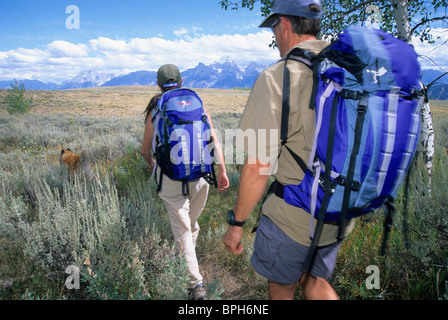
point(73, 280)
point(373, 281)
point(73, 21)
point(374, 16)
point(262, 145)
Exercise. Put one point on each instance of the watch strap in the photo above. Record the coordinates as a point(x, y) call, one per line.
point(232, 221)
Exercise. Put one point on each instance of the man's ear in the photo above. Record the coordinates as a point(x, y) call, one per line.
point(286, 25)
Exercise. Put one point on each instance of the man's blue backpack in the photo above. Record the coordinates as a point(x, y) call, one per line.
point(367, 99)
point(182, 138)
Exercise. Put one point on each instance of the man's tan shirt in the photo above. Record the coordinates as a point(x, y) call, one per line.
point(263, 111)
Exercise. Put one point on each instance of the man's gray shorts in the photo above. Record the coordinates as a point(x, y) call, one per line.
point(279, 258)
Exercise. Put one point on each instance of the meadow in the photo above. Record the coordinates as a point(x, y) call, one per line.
point(115, 230)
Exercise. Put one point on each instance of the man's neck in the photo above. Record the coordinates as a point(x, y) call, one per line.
point(295, 39)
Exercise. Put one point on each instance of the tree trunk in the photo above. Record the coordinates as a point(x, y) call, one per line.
point(401, 18)
point(426, 141)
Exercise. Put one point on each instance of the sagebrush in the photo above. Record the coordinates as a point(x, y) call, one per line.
point(115, 229)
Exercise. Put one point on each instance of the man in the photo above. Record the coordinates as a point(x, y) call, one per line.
point(283, 235)
point(183, 211)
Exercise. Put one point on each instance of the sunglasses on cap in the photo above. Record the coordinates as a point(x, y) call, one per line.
point(275, 23)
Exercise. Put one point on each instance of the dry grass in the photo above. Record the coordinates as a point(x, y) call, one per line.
point(439, 107)
point(132, 100)
point(123, 101)
point(237, 279)
point(127, 103)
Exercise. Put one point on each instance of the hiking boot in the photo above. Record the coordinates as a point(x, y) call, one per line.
point(198, 292)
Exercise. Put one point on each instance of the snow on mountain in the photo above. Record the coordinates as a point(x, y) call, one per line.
point(223, 75)
point(86, 79)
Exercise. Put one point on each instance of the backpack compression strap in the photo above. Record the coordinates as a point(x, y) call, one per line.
point(328, 185)
point(362, 109)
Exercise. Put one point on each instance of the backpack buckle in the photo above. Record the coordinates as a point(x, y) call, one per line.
point(363, 101)
point(342, 181)
point(350, 94)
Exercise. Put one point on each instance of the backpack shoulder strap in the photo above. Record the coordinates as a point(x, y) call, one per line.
point(301, 55)
point(307, 57)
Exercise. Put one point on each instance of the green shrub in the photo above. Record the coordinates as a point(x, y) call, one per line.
point(116, 230)
point(15, 99)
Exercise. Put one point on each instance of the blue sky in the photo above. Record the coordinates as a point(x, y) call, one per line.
point(38, 22)
point(119, 37)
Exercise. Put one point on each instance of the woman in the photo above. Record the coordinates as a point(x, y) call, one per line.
point(183, 211)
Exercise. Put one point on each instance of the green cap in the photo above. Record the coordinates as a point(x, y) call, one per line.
point(168, 75)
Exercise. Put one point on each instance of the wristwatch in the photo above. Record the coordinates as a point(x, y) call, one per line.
point(231, 219)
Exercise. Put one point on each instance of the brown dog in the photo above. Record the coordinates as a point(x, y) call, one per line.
point(75, 162)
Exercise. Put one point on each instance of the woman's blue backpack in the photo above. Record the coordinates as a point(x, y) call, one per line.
point(367, 98)
point(182, 138)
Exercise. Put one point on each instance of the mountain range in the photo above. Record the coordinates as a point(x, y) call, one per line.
point(223, 75)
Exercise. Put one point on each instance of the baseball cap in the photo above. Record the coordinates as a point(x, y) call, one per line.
point(168, 73)
point(292, 8)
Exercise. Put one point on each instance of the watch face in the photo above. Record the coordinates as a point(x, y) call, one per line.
point(231, 219)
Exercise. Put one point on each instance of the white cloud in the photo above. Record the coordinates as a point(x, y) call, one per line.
point(196, 30)
point(181, 32)
point(62, 60)
point(67, 49)
point(23, 56)
point(433, 56)
point(103, 45)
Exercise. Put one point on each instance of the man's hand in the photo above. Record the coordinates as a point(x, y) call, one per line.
point(232, 240)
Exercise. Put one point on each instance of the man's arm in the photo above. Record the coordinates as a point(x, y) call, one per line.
point(253, 182)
